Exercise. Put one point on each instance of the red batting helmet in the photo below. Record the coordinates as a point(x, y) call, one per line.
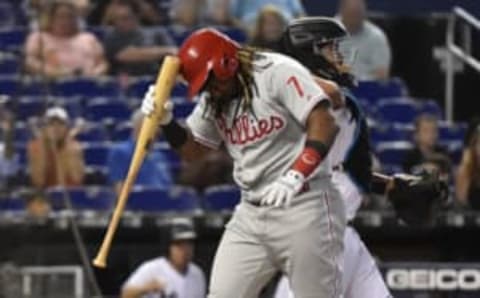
point(207, 50)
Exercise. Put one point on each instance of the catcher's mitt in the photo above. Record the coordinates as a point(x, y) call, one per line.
point(416, 198)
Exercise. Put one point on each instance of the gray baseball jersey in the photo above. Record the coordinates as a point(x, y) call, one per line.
point(304, 240)
point(265, 142)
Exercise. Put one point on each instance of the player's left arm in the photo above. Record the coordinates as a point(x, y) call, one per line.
point(307, 103)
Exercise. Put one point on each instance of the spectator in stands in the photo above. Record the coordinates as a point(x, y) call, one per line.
point(147, 11)
point(373, 54)
point(8, 158)
point(214, 169)
point(155, 169)
point(54, 156)
point(217, 13)
point(269, 27)
point(425, 139)
point(63, 49)
point(437, 163)
point(246, 10)
point(36, 9)
point(468, 173)
point(185, 14)
point(172, 276)
point(37, 205)
point(129, 49)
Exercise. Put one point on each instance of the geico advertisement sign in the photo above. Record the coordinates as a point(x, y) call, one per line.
point(436, 279)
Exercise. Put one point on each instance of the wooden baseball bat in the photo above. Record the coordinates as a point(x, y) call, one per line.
point(163, 87)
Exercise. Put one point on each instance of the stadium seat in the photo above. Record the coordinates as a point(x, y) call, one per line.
point(374, 90)
point(389, 132)
point(87, 87)
point(21, 150)
point(30, 107)
point(152, 199)
point(9, 85)
point(392, 153)
point(179, 34)
point(11, 204)
point(100, 109)
point(96, 175)
point(183, 108)
point(139, 86)
point(451, 131)
point(122, 131)
point(400, 110)
point(22, 133)
point(93, 133)
point(83, 198)
point(222, 197)
point(34, 87)
point(13, 39)
point(9, 64)
point(179, 90)
point(431, 107)
point(96, 153)
point(164, 149)
point(236, 34)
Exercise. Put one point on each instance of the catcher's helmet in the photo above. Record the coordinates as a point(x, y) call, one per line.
point(207, 50)
point(304, 39)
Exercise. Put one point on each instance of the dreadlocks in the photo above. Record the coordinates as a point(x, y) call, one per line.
point(246, 56)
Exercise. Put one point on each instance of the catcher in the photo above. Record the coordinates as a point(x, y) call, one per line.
point(317, 43)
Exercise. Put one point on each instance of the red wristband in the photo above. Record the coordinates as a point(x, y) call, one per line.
point(307, 162)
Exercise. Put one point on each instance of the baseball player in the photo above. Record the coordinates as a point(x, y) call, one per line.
point(315, 43)
point(173, 276)
point(275, 122)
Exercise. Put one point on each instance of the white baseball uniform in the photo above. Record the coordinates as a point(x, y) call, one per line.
point(189, 285)
point(361, 278)
point(303, 240)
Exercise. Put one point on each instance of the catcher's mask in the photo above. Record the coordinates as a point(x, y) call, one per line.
point(322, 45)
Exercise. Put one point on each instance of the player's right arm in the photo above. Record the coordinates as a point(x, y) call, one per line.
point(192, 142)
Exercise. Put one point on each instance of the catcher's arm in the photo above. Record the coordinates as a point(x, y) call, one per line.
point(413, 197)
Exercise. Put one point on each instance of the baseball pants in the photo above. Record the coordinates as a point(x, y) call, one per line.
point(305, 241)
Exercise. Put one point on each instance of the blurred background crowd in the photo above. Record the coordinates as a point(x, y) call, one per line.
point(72, 75)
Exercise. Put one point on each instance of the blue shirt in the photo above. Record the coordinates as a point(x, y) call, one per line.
point(247, 10)
point(155, 170)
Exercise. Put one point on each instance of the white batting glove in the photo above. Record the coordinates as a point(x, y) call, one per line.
point(281, 192)
point(149, 106)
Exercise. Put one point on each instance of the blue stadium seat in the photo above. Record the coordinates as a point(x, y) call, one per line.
point(451, 132)
point(30, 107)
point(389, 132)
point(34, 87)
point(13, 39)
point(9, 85)
point(179, 90)
point(392, 153)
point(399, 110)
point(236, 34)
point(179, 34)
point(11, 204)
point(22, 133)
point(9, 64)
point(93, 133)
point(122, 131)
point(102, 109)
point(21, 149)
point(152, 199)
point(183, 108)
point(374, 90)
point(164, 149)
point(96, 153)
point(87, 87)
point(138, 87)
point(83, 198)
point(431, 107)
point(222, 197)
